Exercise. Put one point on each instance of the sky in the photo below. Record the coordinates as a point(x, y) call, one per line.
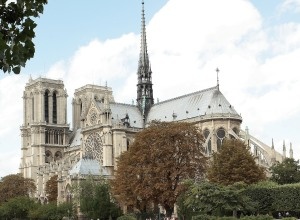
point(254, 43)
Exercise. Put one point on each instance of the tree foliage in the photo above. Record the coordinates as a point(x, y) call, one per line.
point(17, 207)
point(286, 198)
point(162, 156)
point(212, 198)
point(15, 185)
point(51, 189)
point(96, 201)
point(262, 194)
point(234, 163)
point(288, 171)
point(52, 210)
point(17, 32)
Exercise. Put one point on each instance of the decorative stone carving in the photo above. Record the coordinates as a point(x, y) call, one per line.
point(94, 146)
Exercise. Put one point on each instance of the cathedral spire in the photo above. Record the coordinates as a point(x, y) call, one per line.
point(217, 70)
point(291, 151)
point(283, 150)
point(144, 86)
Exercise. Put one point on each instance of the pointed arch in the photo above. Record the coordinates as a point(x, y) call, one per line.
point(48, 156)
point(32, 106)
point(221, 135)
point(54, 107)
point(69, 194)
point(57, 155)
point(81, 106)
point(46, 106)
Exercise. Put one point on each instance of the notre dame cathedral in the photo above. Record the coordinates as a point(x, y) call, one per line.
point(102, 128)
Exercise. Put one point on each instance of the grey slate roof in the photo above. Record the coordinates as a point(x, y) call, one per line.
point(208, 103)
point(88, 167)
point(119, 112)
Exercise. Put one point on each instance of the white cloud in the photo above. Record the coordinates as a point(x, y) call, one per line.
point(290, 5)
point(112, 61)
point(285, 38)
point(11, 91)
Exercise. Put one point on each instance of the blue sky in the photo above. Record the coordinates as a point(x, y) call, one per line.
point(255, 44)
point(68, 24)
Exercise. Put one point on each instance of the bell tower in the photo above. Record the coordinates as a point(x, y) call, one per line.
point(144, 72)
point(45, 132)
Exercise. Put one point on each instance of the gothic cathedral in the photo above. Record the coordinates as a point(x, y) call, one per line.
point(102, 129)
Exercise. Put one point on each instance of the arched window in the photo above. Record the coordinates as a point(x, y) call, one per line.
point(221, 133)
point(57, 156)
point(46, 137)
point(69, 195)
point(56, 134)
point(32, 107)
point(46, 106)
point(128, 143)
point(48, 156)
point(54, 110)
point(80, 102)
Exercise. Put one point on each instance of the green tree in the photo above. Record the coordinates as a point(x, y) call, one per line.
point(96, 201)
point(262, 194)
point(211, 198)
point(51, 211)
point(15, 185)
point(288, 171)
point(17, 32)
point(234, 163)
point(17, 207)
point(51, 189)
point(153, 169)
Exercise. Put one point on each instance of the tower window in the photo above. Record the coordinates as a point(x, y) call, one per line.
point(32, 108)
point(46, 106)
point(80, 107)
point(54, 111)
point(57, 155)
point(48, 156)
point(46, 137)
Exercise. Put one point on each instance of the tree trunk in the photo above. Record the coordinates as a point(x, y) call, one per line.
point(169, 210)
point(234, 213)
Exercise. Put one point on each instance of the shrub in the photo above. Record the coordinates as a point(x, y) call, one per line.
point(258, 217)
point(127, 217)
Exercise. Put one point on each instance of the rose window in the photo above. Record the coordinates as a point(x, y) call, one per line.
point(94, 147)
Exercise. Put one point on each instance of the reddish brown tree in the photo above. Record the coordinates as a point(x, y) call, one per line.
point(15, 185)
point(153, 169)
point(51, 189)
point(234, 163)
